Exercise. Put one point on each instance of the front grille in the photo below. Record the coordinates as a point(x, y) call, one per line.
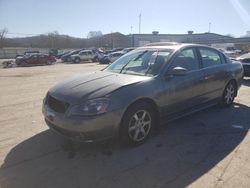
point(57, 105)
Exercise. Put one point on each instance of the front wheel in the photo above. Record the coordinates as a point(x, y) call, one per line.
point(229, 94)
point(77, 60)
point(137, 124)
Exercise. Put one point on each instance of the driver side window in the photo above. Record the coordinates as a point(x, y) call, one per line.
point(186, 59)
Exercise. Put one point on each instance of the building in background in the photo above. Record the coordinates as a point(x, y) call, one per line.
point(199, 38)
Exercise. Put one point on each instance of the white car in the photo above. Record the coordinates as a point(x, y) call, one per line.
point(84, 55)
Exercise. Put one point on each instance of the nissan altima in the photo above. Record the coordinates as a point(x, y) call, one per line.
point(140, 91)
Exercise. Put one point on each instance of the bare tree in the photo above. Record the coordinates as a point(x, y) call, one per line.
point(53, 37)
point(248, 34)
point(229, 35)
point(93, 34)
point(3, 33)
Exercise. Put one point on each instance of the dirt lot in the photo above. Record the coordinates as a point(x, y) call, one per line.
point(206, 149)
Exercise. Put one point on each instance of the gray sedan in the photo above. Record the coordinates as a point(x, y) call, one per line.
point(141, 90)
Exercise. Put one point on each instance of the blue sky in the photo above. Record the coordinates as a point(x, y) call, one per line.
point(78, 17)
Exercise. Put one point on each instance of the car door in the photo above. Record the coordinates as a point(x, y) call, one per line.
point(32, 59)
point(214, 69)
point(181, 92)
point(84, 56)
point(41, 59)
point(89, 57)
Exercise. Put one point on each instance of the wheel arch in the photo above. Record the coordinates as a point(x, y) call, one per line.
point(148, 101)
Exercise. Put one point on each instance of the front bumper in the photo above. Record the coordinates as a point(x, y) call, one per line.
point(83, 129)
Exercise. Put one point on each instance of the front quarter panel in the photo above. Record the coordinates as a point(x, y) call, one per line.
point(127, 95)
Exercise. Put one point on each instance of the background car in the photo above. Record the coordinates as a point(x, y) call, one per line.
point(245, 60)
point(35, 59)
point(152, 84)
point(126, 50)
point(66, 57)
point(110, 58)
point(27, 53)
point(84, 55)
point(115, 55)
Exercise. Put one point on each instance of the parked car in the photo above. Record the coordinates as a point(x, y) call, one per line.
point(35, 59)
point(110, 58)
point(245, 60)
point(140, 90)
point(115, 55)
point(66, 57)
point(126, 50)
point(104, 60)
point(28, 53)
point(84, 55)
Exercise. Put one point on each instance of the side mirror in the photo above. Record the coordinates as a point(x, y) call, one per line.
point(178, 71)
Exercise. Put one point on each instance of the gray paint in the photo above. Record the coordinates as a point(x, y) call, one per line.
point(173, 95)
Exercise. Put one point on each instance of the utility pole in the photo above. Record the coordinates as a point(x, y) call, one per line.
point(139, 23)
point(209, 27)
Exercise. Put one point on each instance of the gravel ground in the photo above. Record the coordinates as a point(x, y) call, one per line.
point(207, 149)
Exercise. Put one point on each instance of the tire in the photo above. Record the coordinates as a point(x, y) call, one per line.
point(23, 64)
point(49, 62)
point(95, 59)
point(77, 60)
point(137, 124)
point(229, 94)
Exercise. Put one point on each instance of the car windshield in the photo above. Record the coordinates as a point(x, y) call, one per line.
point(141, 62)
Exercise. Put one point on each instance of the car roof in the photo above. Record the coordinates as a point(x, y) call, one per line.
point(118, 52)
point(170, 45)
point(86, 51)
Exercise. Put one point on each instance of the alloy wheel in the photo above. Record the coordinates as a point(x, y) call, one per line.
point(229, 94)
point(139, 125)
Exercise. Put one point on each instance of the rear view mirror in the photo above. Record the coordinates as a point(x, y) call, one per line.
point(178, 71)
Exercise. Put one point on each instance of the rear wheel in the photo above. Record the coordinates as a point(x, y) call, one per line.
point(229, 94)
point(77, 60)
point(95, 59)
point(23, 64)
point(137, 124)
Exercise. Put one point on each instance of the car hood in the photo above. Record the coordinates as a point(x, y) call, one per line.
point(93, 85)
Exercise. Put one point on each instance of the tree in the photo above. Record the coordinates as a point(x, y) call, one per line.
point(229, 35)
point(3, 33)
point(53, 37)
point(93, 34)
point(248, 34)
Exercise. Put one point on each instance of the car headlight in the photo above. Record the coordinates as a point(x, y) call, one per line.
point(91, 107)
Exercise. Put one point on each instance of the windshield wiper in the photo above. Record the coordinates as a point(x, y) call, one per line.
point(139, 56)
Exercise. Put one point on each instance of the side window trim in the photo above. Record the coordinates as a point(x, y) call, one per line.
point(213, 50)
point(194, 49)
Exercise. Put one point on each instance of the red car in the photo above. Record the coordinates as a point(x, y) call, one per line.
point(35, 59)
